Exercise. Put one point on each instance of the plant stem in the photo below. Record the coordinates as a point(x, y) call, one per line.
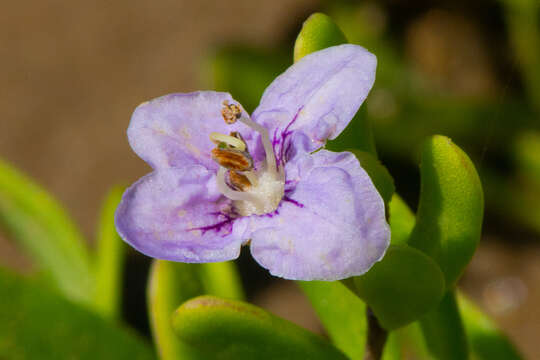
point(376, 337)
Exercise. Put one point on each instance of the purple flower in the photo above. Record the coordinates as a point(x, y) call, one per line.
point(223, 179)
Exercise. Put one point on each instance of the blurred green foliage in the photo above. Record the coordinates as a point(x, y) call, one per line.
point(171, 284)
point(230, 329)
point(109, 259)
point(46, 232)
point(38, 323)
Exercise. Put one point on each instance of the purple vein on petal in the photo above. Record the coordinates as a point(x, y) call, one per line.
point(292, 201)
point(217, 227)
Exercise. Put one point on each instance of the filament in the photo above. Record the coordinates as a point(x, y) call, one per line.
point(268, 149)
point(233, 194)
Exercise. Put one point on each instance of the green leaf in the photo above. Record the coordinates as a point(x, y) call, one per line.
point(342, 313)
point(109, 260)
point(221, 279)
point(228, 329)
point(392, 348)
point(401, 220)
point(443, 331)
point(400, 288)
point(318, 32)
point(378, 173)
point(451, 207)
point(357, 135)
point(171, 284)
point(486, 341)
point(42, 227)
point(37, 323)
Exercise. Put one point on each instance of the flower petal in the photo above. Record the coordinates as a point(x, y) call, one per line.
point(331, 224)
point(318, 95)
point(178, 214)
point(173, 130)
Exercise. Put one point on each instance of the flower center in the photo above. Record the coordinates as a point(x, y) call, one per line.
point(254, 192)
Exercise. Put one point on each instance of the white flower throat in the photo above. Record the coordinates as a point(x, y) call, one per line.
point(253, 191)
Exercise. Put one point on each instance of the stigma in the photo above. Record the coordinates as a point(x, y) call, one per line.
point(253, 191)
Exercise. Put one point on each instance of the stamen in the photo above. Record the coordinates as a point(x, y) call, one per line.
point(252, 177)
point(239, 181)
point(232, 194)
point(230, 112)
point(232, 159)
point(268, 148)
point(235, 142)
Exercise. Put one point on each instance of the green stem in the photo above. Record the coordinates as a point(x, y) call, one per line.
point(376, 337)
point(444, 332)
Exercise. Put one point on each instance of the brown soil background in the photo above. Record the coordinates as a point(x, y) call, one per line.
point(73, 71)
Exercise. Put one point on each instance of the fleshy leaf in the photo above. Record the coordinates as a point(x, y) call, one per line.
point(443, 330)
point(378, 173)
point(228, 329)
point(109, 259)
point(41, 226)
point(451, 206)
point(357, 135)
point(171, 284)
point(342, 313)
point(401, 220)
point(400, 288)
point(37, 323)
point(318, 32)
point(487, 342)
point(221, 279)
point(392, 348)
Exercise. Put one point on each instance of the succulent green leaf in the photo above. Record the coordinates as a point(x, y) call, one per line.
point(487, 342)
point(318, 32)
point(357, 135)
point(41, 226)
point(39, 323)
point(412, 341)
point(109, 259)
point(221, 279)
point(342, 314)
point(400, 288)
point(171, 284)
point(443, 330)
point(229, 329)
point(451, 207)
point(392, 347)
point(378, 173)
point(401, 220)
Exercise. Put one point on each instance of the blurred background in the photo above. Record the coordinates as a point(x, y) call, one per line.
point(73, 72)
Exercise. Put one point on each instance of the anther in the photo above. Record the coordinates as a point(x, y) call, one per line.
point(233, 159)
point(239, 181)
point(230, 112)
point(229, 140)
